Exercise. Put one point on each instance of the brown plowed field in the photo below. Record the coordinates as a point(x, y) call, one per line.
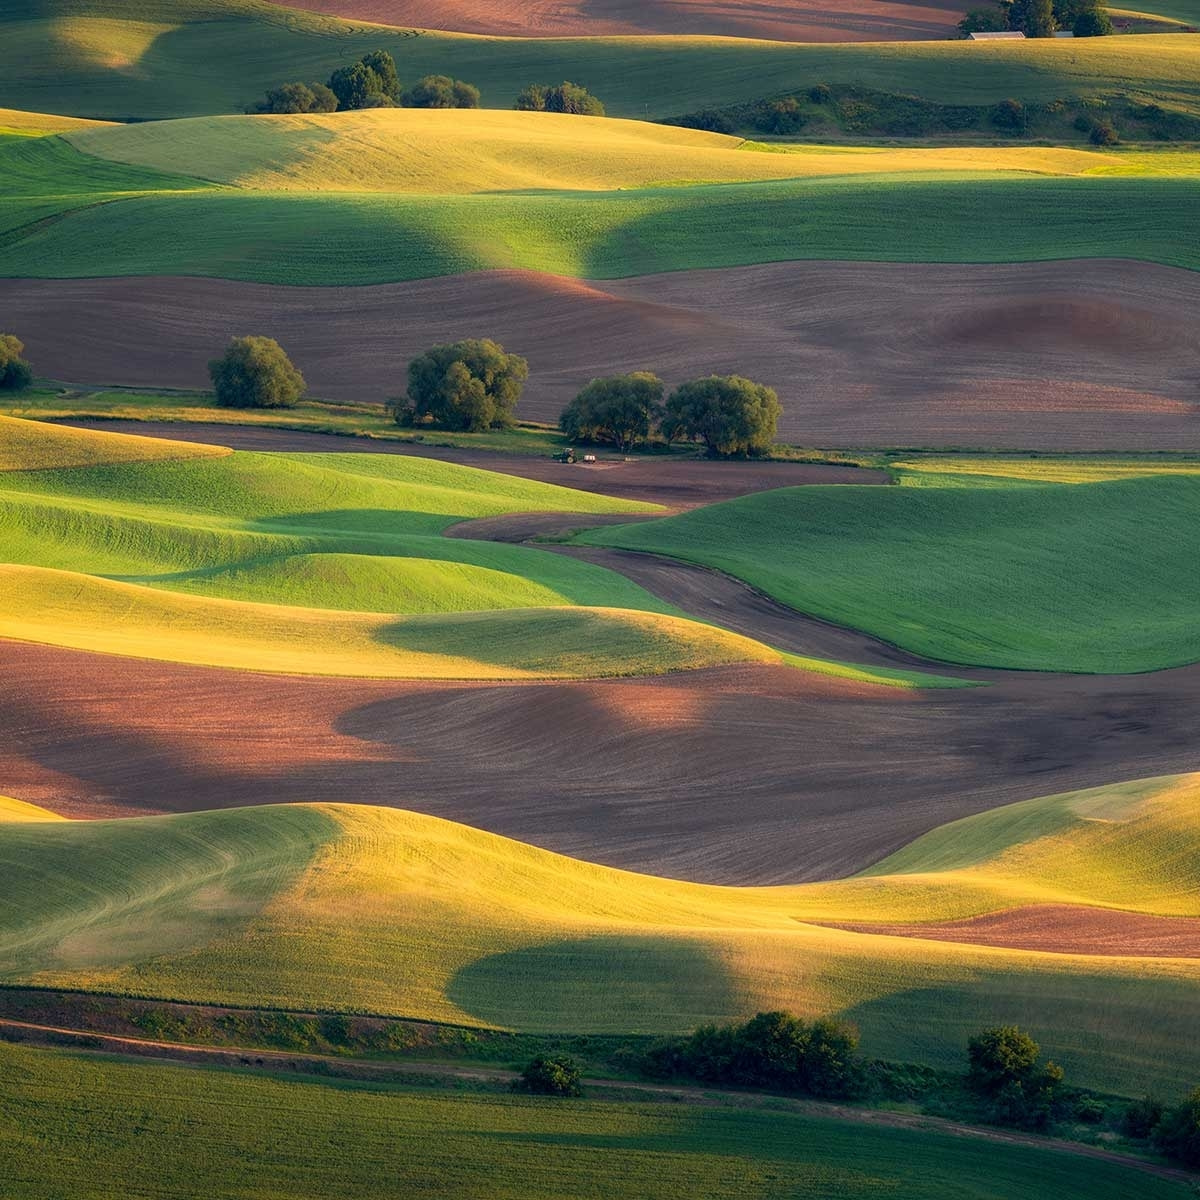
point(743, 775)
point(778, 20)
point(1064, 929)
point(1070, 355)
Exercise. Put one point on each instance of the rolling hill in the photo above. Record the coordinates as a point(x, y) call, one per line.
point(362, 909)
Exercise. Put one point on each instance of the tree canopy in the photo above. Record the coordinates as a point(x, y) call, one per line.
point(470, 385)
point(15, 372)
point(729, 414)
point(371, 82)
point(255, 372)
point(298, 98)
point(1003, 1068)
point(565, 97)
point(551, 1075)
point(440, 91)
point(621, 409)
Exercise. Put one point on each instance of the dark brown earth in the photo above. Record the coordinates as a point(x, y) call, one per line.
point(1064, 929)
point(1069, 355)
point(779, 20)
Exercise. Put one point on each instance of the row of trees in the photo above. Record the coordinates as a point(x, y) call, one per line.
point(1039, 18)
point(15, 372)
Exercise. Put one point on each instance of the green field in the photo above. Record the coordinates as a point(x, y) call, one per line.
point(1097, 577)
point(156, 58)
point(335, 907)
point(217, 1135)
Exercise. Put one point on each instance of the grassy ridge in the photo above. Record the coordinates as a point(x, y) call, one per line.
point(397, 913)
point(28, 447)
point(154, 58)
point(1094, 577)
point(62, 1115)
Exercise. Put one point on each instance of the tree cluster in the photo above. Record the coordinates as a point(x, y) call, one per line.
point(565, 97)
point(1039, 18)
point(254, 372)
point(1004, 1070)
point(730, 415)
point(15, 372)
point(773, 1050)
point(470, 386)
point(1174, 1131)
point(551, 1075)
point(372, 82)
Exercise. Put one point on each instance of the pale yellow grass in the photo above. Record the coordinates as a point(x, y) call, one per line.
point(15, 120)
point(36, 446)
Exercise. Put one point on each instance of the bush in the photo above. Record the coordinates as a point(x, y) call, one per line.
point(471, 386)
point(566, 97)
point(255, 373)
point(1003, 1069)
point(780, 116)
point(1094, 22)
point(551, 1075)
point(1104, 134)
point(1178, 1133)
point(622, 409)
point(15, 372)
point(1142, 1117)
point(1010, 115)
point(298, 98)
point(371, 82)
point(729, 414)
point(440, 91)
point(710, 119)
point(820, 93)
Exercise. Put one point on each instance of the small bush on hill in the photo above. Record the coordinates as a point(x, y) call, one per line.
point(1003, 1070)
point(622, 410)
point(729, 414)
point(551, 1075)
point(440, 91)
point(780, 116)
point(371, 82)
point(298, 98)
point(1104, 133)
point(820, 93)
point(710, 119)
point(1010, 115)
point(15, 372)
point(1141, 1118)
point(566, 97)
point(1178, 1132)
point(255, 373)
point(470, 386)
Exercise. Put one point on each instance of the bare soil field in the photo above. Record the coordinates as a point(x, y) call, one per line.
point(1064, 929)
point(1082, 355)
point(742, 775)
point(777, 20)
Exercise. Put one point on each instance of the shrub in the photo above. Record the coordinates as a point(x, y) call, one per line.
point(1090, 1111)
point(551, 1075)
point(255, 373)
point(371, 82)
point(1178, 1133)
point(1141, 1118)
point(1104, 134)
point(622, 409)
point(1010, 115)
point(1003, 1069)
point(820, 93)
point(471, 385)
point(780, 116)
point(710, 119)
point(15, 372)
point(1094, 22)
point(298, 98)
point(566, 97)
point(440, 91)
point(729, 414)
point(1083, 123)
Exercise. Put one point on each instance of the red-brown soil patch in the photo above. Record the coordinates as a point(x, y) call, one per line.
point(1068, 356)
point(742, 775)
point(777, 20)
point(1063, 929)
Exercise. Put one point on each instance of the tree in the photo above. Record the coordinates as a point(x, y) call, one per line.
point(566, 97)
point(470, 385)
point(551, 1075)
point(255, 373)
point(622, 409)
point(1142, 1117)
point(15, 372)
point(780, 116)
point(983, 20)
point(1104, 133)
point(440, 91)
point(1003, 1069)
point(298, 98)
point(371, 82)
point(1178, 1133)
point(1034, 18)
point(729, 414)
point(384, 66)
point(1009, 114)
point(1094, 22)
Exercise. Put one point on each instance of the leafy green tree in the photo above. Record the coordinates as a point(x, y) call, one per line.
point(384, 66)
point(440, 91)
point(298, 98)
point(551, 1075)
point(566, 97)
point(780, 116)
point(1178, 1133)
point(371, 82)
point(1003, 1068)
point(1142, 1117)
point(471, 385)
point(622, 409)
point(255, 373)
point(1009, 114)
point(1093, 22)
point(729, 414)
point(983, 20)
point(15, 372)
point(1033, 18)
point(1104, 133)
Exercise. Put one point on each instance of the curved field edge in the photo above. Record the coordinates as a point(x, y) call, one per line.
point(379, 238)
point(1088, 577)
point(362, 909)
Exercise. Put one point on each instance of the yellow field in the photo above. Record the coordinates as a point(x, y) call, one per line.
point(35, 446)
point(15, 120)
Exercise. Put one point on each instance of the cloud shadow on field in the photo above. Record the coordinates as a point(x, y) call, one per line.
point(628, 983)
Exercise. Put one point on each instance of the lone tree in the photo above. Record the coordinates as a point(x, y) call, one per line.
point(15, 372)
point(440, 91)
point(551, 1075)
point(471, 385)
point(729, 414)
point(371, 82)
point(1178, 1133)
point(565, 97)
point(298, 98)
point(1003, 1069)
point(622, 409)
point(255, 373)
